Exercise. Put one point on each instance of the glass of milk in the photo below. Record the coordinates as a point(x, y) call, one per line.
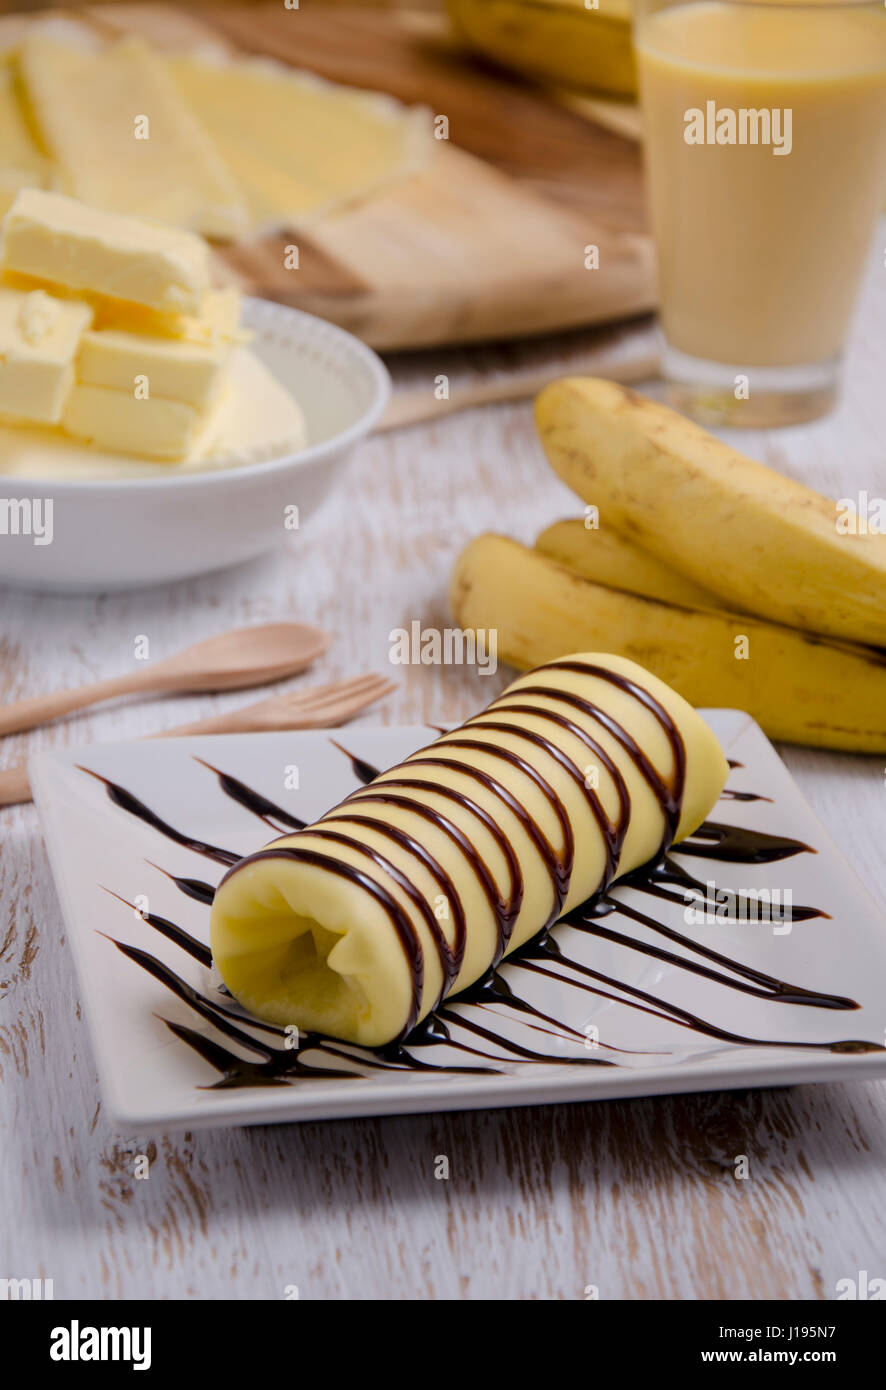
point(765, 139)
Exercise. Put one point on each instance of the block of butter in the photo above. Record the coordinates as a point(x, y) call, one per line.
point(114, 349)
point(120, 421)
point(161, 367)
point(217, 321)
point(123, 138)
point(60, 240)
point(263, 420)
point(39, 338)
point(258, 420)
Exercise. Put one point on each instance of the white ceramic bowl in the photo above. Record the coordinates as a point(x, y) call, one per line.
point(126, 533)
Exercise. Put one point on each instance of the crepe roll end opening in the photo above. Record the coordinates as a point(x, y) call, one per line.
point(288, 945)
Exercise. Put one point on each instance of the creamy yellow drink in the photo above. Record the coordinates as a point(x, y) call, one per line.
point(766, 161)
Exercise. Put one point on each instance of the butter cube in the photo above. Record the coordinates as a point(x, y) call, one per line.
point(39, 338)
point(55, 238)
point(155, 428)
point(217, 321)
point(176, 371)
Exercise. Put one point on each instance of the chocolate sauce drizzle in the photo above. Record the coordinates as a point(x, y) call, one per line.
point(273, 1061)
point(740, 846)
point(127, 802)
point(253, 801)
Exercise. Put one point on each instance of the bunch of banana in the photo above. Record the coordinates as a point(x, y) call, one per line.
point(564, 42)
point(727, 580)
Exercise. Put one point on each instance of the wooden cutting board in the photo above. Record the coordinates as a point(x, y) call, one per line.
point(490, 241)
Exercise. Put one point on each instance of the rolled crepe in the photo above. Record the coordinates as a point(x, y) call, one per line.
point(415, 885)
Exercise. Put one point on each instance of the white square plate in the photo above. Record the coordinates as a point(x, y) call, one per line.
point(154, 1006)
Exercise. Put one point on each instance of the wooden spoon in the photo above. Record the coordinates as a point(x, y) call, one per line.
point(323, 707)
point(234, 660)
point(628, 354)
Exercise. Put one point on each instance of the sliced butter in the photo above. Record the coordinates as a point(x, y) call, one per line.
point(153, 428)
point(262, 421)
point(177, 371)
point(22, 163)
point(258, 420)
point(298, 145)
point(60, 240)
point(217, 321)
point(123, 139)
point(39, 338)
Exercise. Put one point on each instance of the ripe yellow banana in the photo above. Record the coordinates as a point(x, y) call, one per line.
point(800, 689)
point(608, 558)
point(760, 541)
point(557, 41)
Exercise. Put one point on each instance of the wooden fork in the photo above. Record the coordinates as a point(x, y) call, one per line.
point(323, 707)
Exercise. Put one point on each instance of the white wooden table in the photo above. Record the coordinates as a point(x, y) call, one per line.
point(637, 1198)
